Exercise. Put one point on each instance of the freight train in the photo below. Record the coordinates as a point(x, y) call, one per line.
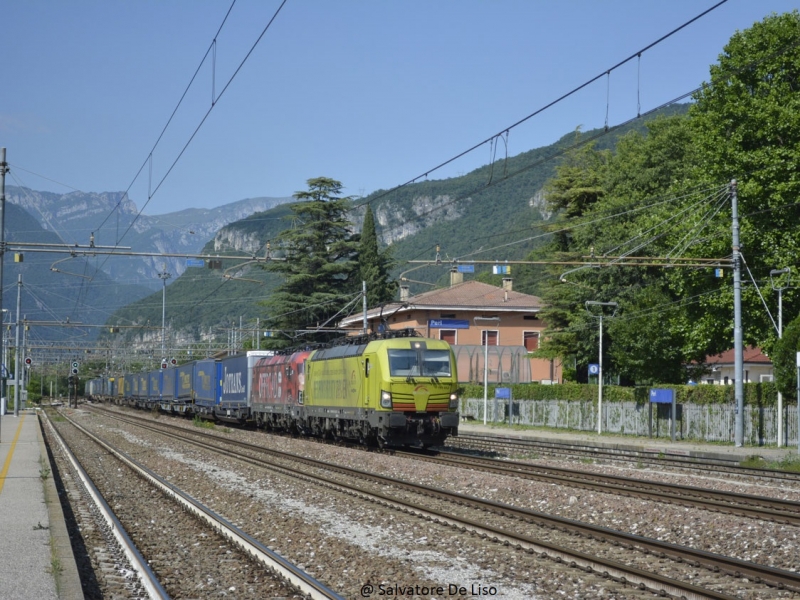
point(388, 391)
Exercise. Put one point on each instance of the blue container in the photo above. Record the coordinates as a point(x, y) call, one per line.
point(140, 386)
point(168, 380)
point(184, 382)
point(130, 384)
point(206, 382)
point(236, 381)
point(154, 383)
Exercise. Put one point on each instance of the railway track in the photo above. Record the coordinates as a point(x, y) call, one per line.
point(650, 564)
point(285, 574)
point(123, 570)
point(756, 507)
point(518, 447)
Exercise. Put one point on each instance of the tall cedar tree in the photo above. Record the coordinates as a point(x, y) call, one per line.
point(320, 269)
point(374, 265)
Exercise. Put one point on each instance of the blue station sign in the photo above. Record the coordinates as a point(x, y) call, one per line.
point(448, 324)
point(661, 396)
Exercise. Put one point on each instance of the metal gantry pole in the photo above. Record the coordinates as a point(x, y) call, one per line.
point(24, 355)
point(798, 401)
point(164, 276)
point(600, 358)
point(485, 377)
point(600, 381)
point(16, 349)
point(3, 170)
point(779, 288)
point(485, 334)
point(738, 346)
point(364, 303)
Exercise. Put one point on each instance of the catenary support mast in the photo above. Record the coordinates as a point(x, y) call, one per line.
point(737, 322)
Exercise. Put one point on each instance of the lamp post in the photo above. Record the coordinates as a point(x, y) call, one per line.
point(600, 357)
point(779, 286)
point(164, 276)
point(485, 362)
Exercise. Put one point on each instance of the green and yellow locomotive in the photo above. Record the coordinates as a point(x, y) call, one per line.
point(397, 392)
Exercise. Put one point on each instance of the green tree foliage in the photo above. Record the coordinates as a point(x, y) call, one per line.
point(374, 265)
point(320, 269)
point(746, 126)
point(666, 194)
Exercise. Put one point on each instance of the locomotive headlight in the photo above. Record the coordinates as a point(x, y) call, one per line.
point(386, 399)
point(453, 400)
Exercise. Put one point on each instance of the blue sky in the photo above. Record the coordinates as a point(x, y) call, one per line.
point(372, 93)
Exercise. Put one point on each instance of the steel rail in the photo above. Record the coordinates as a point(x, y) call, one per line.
point(670, 458)
point(714, 562)
point(301, 580)
point(749, 505)
point(143, 571)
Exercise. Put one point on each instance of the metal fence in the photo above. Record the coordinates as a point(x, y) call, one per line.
point(506, 364)
point(701, 422)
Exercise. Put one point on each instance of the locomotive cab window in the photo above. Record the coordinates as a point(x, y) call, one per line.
point(419, 362)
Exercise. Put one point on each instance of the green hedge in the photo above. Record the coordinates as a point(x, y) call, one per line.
point(757, 394)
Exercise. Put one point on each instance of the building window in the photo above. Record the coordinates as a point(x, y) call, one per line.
point(448, 315)
point(490, 338)
point(448, 335)
point(765, 377)
point(530, 339)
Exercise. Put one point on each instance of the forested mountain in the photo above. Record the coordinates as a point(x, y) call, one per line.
point(488, 207)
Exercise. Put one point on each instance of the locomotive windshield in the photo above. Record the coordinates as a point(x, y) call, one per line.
point(419, 362)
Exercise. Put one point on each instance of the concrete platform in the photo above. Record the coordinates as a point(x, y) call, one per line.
point(642, 444)
point(35, 551)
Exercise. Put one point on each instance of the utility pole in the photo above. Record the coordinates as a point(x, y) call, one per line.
point(738, 347)
point(600, 357)
point(164, 276)
point(17, 357)
point(24, 354)
point(364, 303)
point(779, 288)
point(3, 171)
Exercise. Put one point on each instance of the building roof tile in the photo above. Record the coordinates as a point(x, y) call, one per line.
point(751, 354)
point(467, 295)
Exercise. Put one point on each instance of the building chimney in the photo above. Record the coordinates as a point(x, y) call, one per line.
point(456, 277)
point(404, 293)
point(507, 283)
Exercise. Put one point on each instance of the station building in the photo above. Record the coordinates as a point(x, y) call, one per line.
point(492, 329)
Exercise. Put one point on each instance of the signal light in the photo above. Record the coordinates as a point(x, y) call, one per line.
point(28, 361)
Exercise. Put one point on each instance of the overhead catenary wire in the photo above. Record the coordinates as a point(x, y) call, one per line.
point(549, 105)
point(758, 291)
point(672, 221)
point(203, 119)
